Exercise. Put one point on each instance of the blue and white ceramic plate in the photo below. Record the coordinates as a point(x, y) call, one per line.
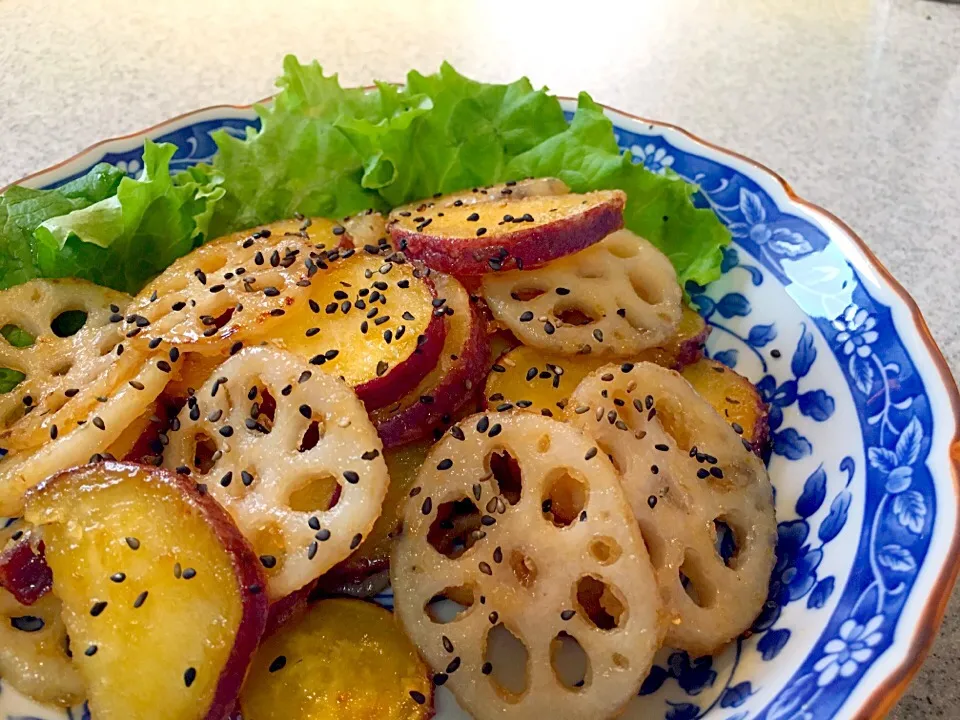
point(863, 418)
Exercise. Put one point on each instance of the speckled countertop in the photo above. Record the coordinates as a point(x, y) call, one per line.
point(855, 102)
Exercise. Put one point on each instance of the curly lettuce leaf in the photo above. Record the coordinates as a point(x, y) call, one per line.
point(300, 161)
point(125, 239)
point(467, 138)
point(659, 208)
point(23, 209)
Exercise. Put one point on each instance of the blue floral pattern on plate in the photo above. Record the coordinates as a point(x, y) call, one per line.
point(851, 422)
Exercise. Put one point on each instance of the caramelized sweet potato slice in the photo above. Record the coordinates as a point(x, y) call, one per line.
point(536, 381)
point(344, 659)
point(380, 331)
point(734, 397)
point(451, 384)
point(35, 655)
point(507, 234)
point(514, 190)
point(162, 597)
point(541, 382)
point(24, 572)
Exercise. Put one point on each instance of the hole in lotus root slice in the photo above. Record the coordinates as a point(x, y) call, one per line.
point(507, 474)
point(523, 567)
point(34, 651)
point(204, 451)
point(277, 476)
point(618, 297)
point(601, 603)
point(226, 290)
point(569, 661)
point(84, 429)
point(316, 494)
point(508, 660)
point(450, 604)
point(684, 469)
point(523, 571)
point(565, 498)
point(456, 528)
point(64, 371)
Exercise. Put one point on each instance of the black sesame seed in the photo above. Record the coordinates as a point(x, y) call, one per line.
point(351, 477)
point(703, 473)
point(487, 520)
point(27, 623)
point(473, 217)
point(189, 574)
point(439, 679)
point(323, 535)
point(483, 424)
point(591, 454)
point(716, 472)
point(526, 317)
point(189, 676)
point(662, 447)
point(567, 615)
point(454, 665)
point(418, 697)
point(90, 651)
point(355, 541)
point(98, 608)
point(495, 430)
point(549, 328)
point(427, 506)
point(133, 543)
point(487, 668)
point(118, 577)
point(445, 464)
point(226, 431)
point(141, 599)
point(268, 561)
point(99, 423)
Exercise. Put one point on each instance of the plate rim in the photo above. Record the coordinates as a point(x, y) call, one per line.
point(878, 702)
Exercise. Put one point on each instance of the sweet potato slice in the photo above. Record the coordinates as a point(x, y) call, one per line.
point(516, 190)
point(373, 556)
point(162, 597)
point(24, 572)
point(35, 655)
point(541, 382)
point(373, 323)
point(343, 659)
point(536, 381)
point(734, 397)
point(451, 384)
point(507, 234)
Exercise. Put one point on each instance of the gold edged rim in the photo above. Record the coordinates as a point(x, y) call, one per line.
point(879, 703)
